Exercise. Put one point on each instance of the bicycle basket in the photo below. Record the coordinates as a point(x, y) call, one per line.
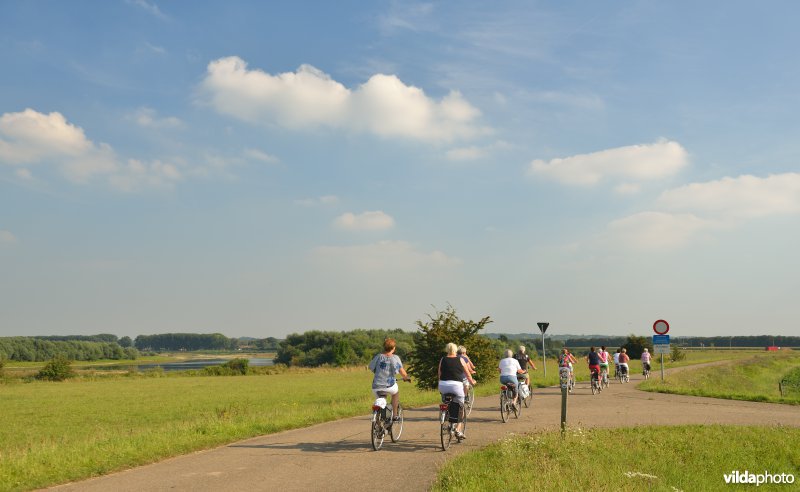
point(379, 402)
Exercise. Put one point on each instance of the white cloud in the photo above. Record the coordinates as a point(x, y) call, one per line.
point(323, 200)
point(30, 137)
point(367, 221)
point(657, 230)
point(633, 163)
point(150, 7)
point(467, 153)
point(148, 118)
point(744, 197)
point(6, 237)
point(23, 173)
point(382, 256)
point(259, 155)
point(310, 98)
point(628, 188)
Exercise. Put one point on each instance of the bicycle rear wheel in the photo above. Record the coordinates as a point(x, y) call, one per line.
point(445, 430)
point(594, 386)
point(505, 407)
point(397, 426)
point(377, 430)
point(469, 401)
point(529, 398)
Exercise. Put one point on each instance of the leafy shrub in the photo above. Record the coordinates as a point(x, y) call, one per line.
point(237, 365)
point(58, 369)
point(677, 354)
point(447, 327)
point(635, 345)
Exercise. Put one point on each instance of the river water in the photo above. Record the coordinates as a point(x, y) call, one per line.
point(175, 366)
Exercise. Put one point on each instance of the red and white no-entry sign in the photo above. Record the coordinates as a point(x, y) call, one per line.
point(661, 327)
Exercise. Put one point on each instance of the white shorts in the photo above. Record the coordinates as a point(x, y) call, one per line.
point(392, 390)
point(454, 387)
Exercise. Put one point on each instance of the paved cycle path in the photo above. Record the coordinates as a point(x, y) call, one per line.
point(338, 455)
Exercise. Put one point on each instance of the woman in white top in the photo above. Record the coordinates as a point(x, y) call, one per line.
point(509, 368)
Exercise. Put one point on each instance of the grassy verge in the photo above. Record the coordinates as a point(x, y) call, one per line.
point(752, 379)
point(57, 432)
point(643, 458)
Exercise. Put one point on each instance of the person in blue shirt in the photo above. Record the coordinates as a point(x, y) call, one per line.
point(385, 366)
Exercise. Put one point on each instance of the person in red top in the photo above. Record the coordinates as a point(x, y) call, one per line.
point(623, 362)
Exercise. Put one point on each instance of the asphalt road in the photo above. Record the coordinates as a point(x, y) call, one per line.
point(338, 456)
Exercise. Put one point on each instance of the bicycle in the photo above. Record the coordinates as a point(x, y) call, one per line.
point(596, 385)
point(623, 375)
point(646, 371)
point(451, 413)
point(604, 376)
point(469, 397)
point(507, 404)
point(525, 389)
point(383, 421)
point(571, 384)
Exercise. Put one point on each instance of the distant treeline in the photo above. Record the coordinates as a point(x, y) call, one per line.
point(40, 349)
point(618, 341)
point(186, 341)
point(316, 348)
point(738, 341)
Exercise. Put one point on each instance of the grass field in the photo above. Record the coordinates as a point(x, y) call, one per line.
point(57, 432)
point(688, 458)
point(755, 379)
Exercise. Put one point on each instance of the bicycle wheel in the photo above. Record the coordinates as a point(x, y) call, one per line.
point(377, 430)
point(529, 398)
point(516, 408)
point(469, 400)
point(445, 430)
point(397, 426)
point(464, 416)
point(594, 386)
point(505, 407)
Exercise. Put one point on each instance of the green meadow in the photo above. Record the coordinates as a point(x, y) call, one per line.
point(755, 378)
point(681, 458)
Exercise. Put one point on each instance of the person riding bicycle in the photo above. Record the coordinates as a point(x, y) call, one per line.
point(616, 362)
point(604, 358)
point(452, 371)
point(385, 366)
point(509, 371)
point(646, 361)
point(594, 362)
point(623, 361)
point(524, 361)
point(462, 354)
point(566, 359)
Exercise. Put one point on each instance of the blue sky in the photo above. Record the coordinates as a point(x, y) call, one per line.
point(262, 168)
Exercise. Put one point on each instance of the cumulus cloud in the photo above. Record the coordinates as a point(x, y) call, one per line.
point(30, 137)
point(367, 221)
point(740, 198)
point(382, 256)
point(631, 163)
point(310, 98)
point(6, 237)
point(148, 118)
point(657, 230)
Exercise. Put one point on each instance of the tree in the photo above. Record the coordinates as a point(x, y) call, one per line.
point(58, 369)
point(635, 346)
point(125, 342)
point(431, 338)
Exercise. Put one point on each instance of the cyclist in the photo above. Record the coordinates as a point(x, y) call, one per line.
point(565, 359)
point(509, 369)
point(646, 360)
point(594, 362)
point(462, 354)
point(623, 361)
point(385, 366)
point(452, 371)
point(604, 358)
point(524, 362)
point(616, 362)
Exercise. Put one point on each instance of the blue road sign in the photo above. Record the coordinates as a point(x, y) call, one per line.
point(660, 339)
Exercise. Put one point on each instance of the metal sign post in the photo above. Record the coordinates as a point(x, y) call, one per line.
point(543, 328)
point(661, 341)
point(563, 374)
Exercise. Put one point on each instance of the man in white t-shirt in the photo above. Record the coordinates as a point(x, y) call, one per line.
point(616, 362)
point(509, 368)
